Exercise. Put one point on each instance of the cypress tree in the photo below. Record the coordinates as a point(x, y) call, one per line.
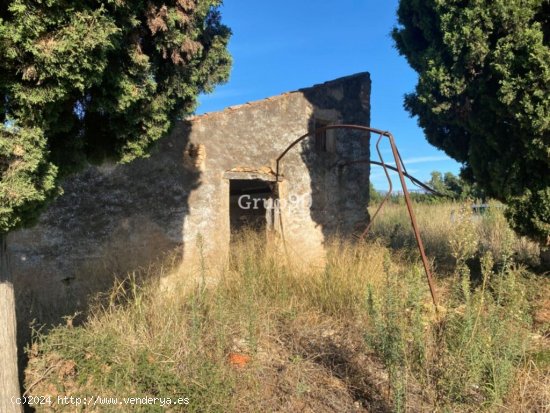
point(83, 80)
point(483, 95)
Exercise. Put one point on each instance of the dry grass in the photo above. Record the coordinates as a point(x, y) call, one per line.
point(438, 224)
point(531, 390)
point(358, 335)
point(148, 340)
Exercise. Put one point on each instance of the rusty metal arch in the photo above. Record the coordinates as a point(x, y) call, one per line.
point(400, 169)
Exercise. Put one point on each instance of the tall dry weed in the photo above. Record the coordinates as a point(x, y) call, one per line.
point(147, 340)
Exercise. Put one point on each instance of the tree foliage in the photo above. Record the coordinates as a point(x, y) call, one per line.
point(454, 187)
point(84, 79)
point(375, 197)
point(483, 95)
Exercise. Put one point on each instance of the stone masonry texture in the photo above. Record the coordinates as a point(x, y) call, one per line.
point(113, 219)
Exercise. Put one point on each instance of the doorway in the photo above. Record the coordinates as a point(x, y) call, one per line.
point(252, 204)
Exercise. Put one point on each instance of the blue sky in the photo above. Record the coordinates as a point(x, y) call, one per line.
point(284, 45)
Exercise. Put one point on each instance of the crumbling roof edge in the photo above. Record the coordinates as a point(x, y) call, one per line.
point(193, 118)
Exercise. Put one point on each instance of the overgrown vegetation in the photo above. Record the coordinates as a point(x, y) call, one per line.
point(487, 230)
point(356, 334)
point(81, 81)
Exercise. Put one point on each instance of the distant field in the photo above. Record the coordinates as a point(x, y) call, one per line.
point(358, 334)
point(442, 224)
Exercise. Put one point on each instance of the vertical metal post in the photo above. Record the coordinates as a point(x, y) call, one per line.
point(425, 263)
point(388, 194)
point(400, 168)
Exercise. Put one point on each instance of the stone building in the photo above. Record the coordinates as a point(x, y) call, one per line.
point(207, 180)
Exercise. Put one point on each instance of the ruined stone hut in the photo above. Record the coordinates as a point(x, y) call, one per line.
point(208, 179)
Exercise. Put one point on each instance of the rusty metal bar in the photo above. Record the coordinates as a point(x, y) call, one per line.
point(414, 180)
point(401, 170)
point(301, 138)
point(388, 194)
point(400, 166)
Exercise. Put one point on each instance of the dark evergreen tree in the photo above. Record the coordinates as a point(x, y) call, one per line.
point(81, 80)
point(483, 95)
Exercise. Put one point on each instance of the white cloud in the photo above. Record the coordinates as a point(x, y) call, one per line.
point(425, 159)
point(422, 159)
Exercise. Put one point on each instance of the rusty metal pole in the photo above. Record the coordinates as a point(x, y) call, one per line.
point(414, 224)
point(388, 194)
point(400, 168)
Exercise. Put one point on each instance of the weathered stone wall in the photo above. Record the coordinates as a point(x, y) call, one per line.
point(254, 135)
point(116, 218)
point(111, 219)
